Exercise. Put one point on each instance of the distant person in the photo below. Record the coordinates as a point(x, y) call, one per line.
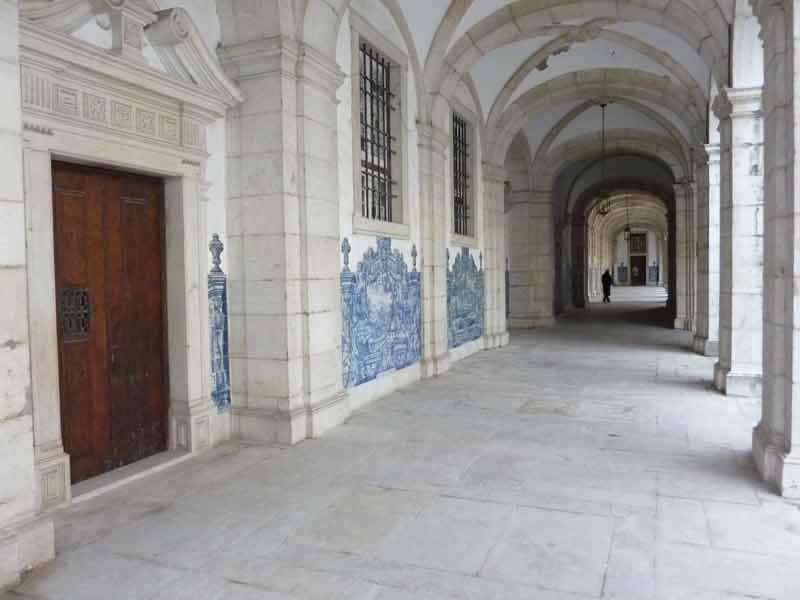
point(608, 281)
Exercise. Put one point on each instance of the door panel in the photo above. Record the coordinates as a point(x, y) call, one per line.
point(638, 270)
point(109, 242)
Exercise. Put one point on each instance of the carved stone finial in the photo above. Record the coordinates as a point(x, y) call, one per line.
point(216, 247)
point(346, 253)
point(414, 257)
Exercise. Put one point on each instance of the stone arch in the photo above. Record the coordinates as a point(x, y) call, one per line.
point(618, 142)
point(706, 32)
point(598, 83)
point(566, 39)
point(587, 199)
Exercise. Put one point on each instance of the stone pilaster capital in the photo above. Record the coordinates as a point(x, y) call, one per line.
point(713, 153)
point(732, 103)
point(316, 68)
point(269, 56)
point(494, 172)
point(700, 156)
point(433, 138)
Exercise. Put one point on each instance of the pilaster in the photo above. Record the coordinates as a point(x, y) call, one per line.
point(283, 240)
point(433, 144)
point(684, 256)
point(494, 245)
point(533, 271)
point(26, 538)
point(776, 439)
point(738, 371)
point(706, 339)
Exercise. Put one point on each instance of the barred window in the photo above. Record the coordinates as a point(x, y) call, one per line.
point(461, 176)
point(377, 97)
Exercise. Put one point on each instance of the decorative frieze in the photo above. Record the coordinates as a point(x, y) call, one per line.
point(94, 108)
point(465, 299)
point(121, 115)
point(145, 121)
point(43, 93)
point(168, 128)
point(66, 101)
point(381, 313)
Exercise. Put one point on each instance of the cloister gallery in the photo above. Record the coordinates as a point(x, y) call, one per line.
point(248, 223)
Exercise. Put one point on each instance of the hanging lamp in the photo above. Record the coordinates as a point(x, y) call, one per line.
point(605, 196)
point(628, 220)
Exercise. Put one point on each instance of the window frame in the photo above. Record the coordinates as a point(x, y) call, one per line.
point(361, 30)
point(471, 239)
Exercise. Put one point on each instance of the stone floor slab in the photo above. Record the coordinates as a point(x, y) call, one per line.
point(586, 461)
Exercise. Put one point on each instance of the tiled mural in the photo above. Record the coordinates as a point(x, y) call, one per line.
point(465, 299)
point(381, 313)
point(218, 334)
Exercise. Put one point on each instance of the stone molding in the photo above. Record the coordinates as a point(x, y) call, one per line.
point(178, 43)
point(433, 138)
point(731, 103)
point(494, 173)
point(66, 81)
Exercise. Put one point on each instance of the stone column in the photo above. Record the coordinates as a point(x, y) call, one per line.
point(542, 259)
point(738, 372)
point(433, 144)
point(776, 440)
point(494, 253)
point(283, 242)
point(706, 339)
point(26, 538)
point(683, 256)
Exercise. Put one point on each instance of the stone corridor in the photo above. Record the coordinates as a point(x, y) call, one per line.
point(588, 461)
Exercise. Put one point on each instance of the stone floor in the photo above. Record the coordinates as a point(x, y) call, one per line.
point(588, 461)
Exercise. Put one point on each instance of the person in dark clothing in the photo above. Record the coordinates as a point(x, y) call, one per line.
point(607, 283)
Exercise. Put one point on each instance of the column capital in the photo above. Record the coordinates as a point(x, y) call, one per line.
point(277, 54)
point(493, 172)
point(432, 137)
point(713, 152)
point(738, 102)
point(315, 67)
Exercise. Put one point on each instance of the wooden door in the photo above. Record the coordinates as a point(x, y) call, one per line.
point(110, 298)
point(638, 270)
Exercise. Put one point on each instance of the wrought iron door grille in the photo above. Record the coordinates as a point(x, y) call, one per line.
point(461, 175)
point(75, 311)
point(377, 142)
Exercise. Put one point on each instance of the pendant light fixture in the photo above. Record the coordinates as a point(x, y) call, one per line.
point(628, 220)
point(605, 196)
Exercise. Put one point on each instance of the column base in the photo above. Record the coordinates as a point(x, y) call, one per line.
point(25, 546)
point(776, 467)
point(732, 383)
point(495, 340)
point(53, 487)
point(190, 429)
point(327, 414)
point(704, 346)
point(530, 322)
point(436, 365)
point(682, 324)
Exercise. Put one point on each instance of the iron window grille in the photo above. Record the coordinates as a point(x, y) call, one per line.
point(377, 103)
point(461, 175)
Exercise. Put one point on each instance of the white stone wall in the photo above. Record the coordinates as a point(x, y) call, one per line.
point(24, 542)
